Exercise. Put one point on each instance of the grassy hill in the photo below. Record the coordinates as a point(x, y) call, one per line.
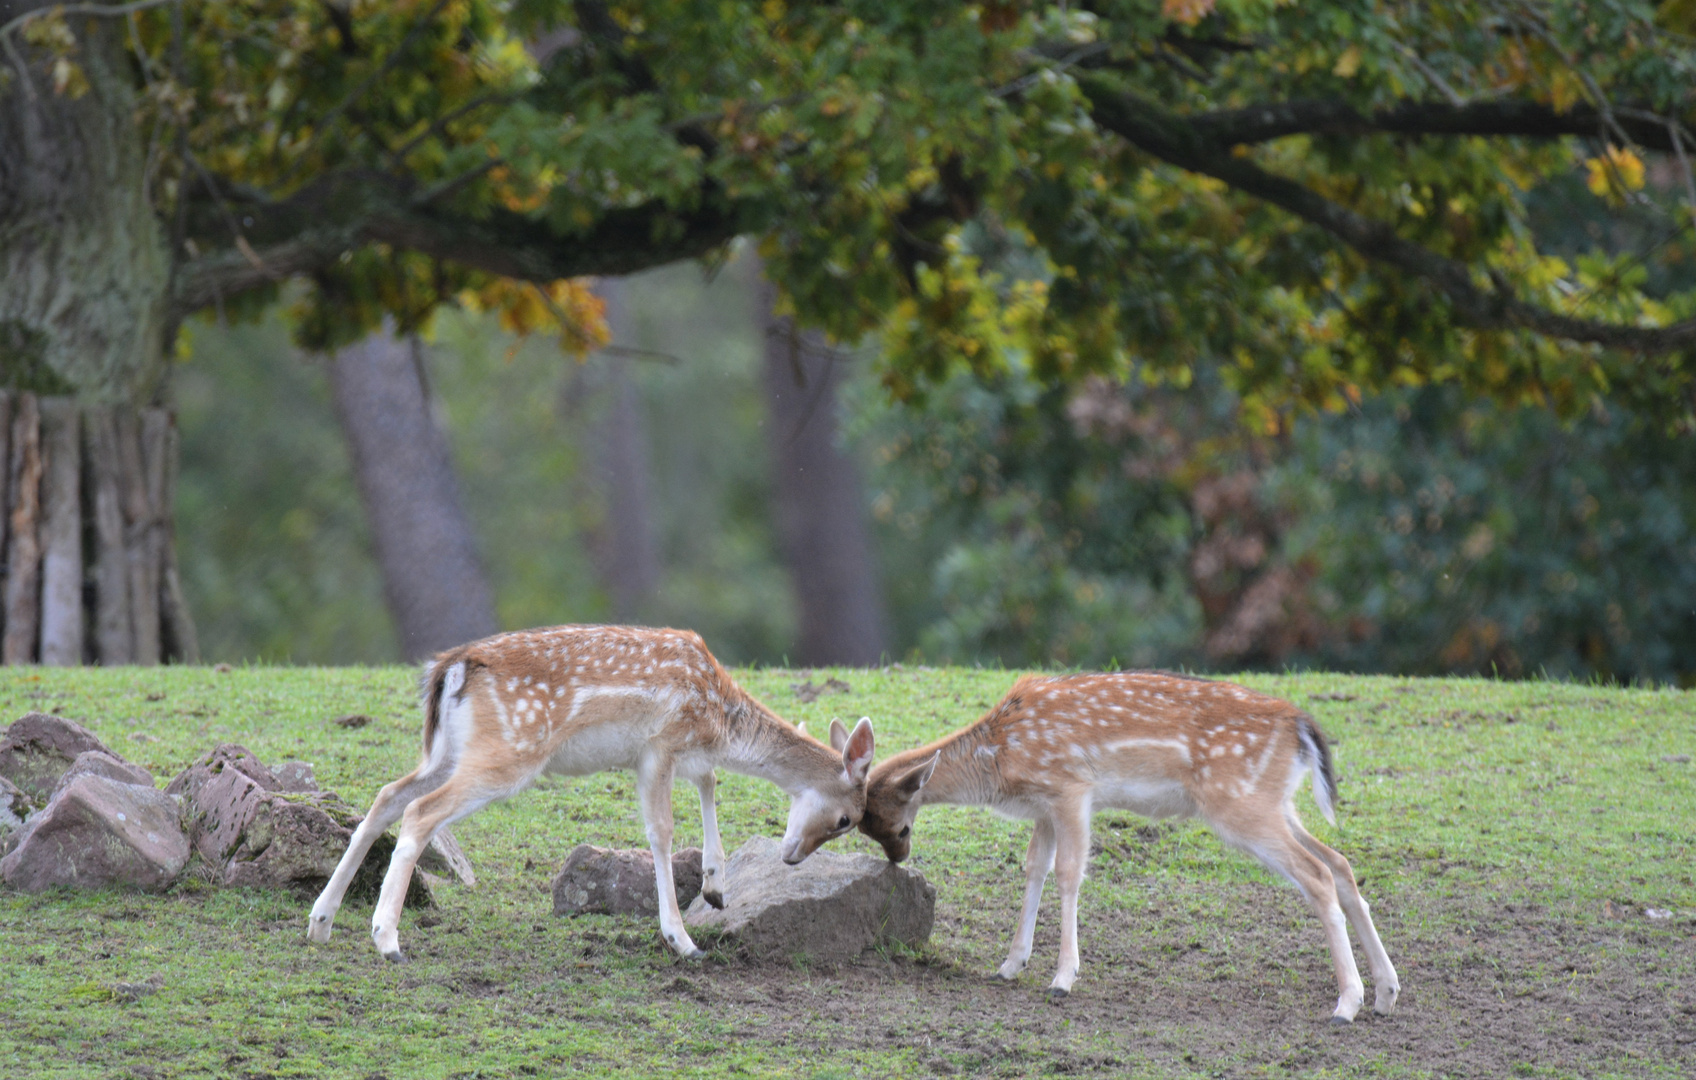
point(1526, 847)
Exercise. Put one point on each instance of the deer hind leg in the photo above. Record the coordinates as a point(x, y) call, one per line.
point(1386, 986)
point(386, 809)
point(1278, 850)
point(455, 799)
point(712, 845)
point(1039, 860)
point(1071, 853)
point(653, 787)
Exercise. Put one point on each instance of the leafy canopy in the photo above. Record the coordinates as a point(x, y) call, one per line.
point(1322, 200)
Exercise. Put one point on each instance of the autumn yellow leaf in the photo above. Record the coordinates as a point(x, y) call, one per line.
point(1615, 174)
point(1348, 63)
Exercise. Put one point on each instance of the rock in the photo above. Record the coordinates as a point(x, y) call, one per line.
point(444, 856)
point(831, 907)
point(230, 756)
point(265, 828)
point(37, 749)
point(14, 808)
point(98, 831)
point(102, 763)
point(608, 881)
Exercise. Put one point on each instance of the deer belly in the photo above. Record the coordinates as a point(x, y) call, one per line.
point(1154, 798)
point(597, 749)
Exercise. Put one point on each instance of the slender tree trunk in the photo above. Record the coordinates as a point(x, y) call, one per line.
point(426, 550)
point(819, 498)
point(23, 537)
point(624, 547)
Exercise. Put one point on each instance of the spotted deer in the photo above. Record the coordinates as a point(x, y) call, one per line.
point(1055, 750)
point(577, 700)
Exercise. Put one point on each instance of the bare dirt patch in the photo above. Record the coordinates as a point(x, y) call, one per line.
point(1488, 990)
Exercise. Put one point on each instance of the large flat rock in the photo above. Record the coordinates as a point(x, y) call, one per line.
point(831, 907)
point(98, 831)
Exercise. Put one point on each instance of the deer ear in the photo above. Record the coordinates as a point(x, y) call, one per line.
point(918, 776)
point(838, 735)
point(857, 751)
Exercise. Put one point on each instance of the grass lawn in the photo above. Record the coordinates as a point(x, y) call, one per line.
point(1511, 837)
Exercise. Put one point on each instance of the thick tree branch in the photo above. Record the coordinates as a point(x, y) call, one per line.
point(1262, 123)
point(1176, 140)
point(344, 211)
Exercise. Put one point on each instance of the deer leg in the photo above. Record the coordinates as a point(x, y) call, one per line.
point(1386, 986)
point(1071, 853)
point(712, 845)
point(1039, 860)
point(386, 809)
point(1280, 852)
point(653, 788)
point(449, 803)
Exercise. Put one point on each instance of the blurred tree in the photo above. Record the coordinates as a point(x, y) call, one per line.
point(818, 500)
point(426, 549)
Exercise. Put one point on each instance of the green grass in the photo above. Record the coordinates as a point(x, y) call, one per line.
point(1465, 805)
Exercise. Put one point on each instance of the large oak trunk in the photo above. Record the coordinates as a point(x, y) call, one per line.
point(89, 451)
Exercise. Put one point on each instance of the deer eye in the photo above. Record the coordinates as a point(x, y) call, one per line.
point(905, 829)
point(844, 823)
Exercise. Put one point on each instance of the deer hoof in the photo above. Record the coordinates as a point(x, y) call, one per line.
point(713, 897)
point(1057, 994)
point(1341, 1021)
point(395, 957)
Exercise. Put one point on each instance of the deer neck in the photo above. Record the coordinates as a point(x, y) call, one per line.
point(760, 743)
point(967, 773)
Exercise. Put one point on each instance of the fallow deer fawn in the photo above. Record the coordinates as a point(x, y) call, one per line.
point(582, 699)
point(1057, 749)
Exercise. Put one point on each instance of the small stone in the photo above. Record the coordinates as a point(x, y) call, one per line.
point(830, 907)
point(14, 808)
point(607, 881)
point(1676, 759)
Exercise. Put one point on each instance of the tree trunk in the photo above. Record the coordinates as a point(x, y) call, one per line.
point(432, 579)
point(624, 547)
point(818, 497)
point(86, 273)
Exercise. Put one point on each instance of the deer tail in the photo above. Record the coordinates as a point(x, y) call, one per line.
point(1315, 753)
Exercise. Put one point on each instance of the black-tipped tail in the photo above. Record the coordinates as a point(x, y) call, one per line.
point(1316, 754)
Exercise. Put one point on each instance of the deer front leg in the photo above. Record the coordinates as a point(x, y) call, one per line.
point(712, 846)
point(653, 788)
point(1039, 860)
point(386, 809)
point(1071, 852)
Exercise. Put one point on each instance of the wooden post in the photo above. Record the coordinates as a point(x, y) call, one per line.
point(178, 638)
point(138, 550)
point(113, 632)
point(23, 548)
point(5, 487)
point(61, 533)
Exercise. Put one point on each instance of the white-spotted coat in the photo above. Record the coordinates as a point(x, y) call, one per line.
point(1057, 749)
point(584, 699)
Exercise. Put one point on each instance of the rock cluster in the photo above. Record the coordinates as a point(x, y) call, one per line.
point(73, 812)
